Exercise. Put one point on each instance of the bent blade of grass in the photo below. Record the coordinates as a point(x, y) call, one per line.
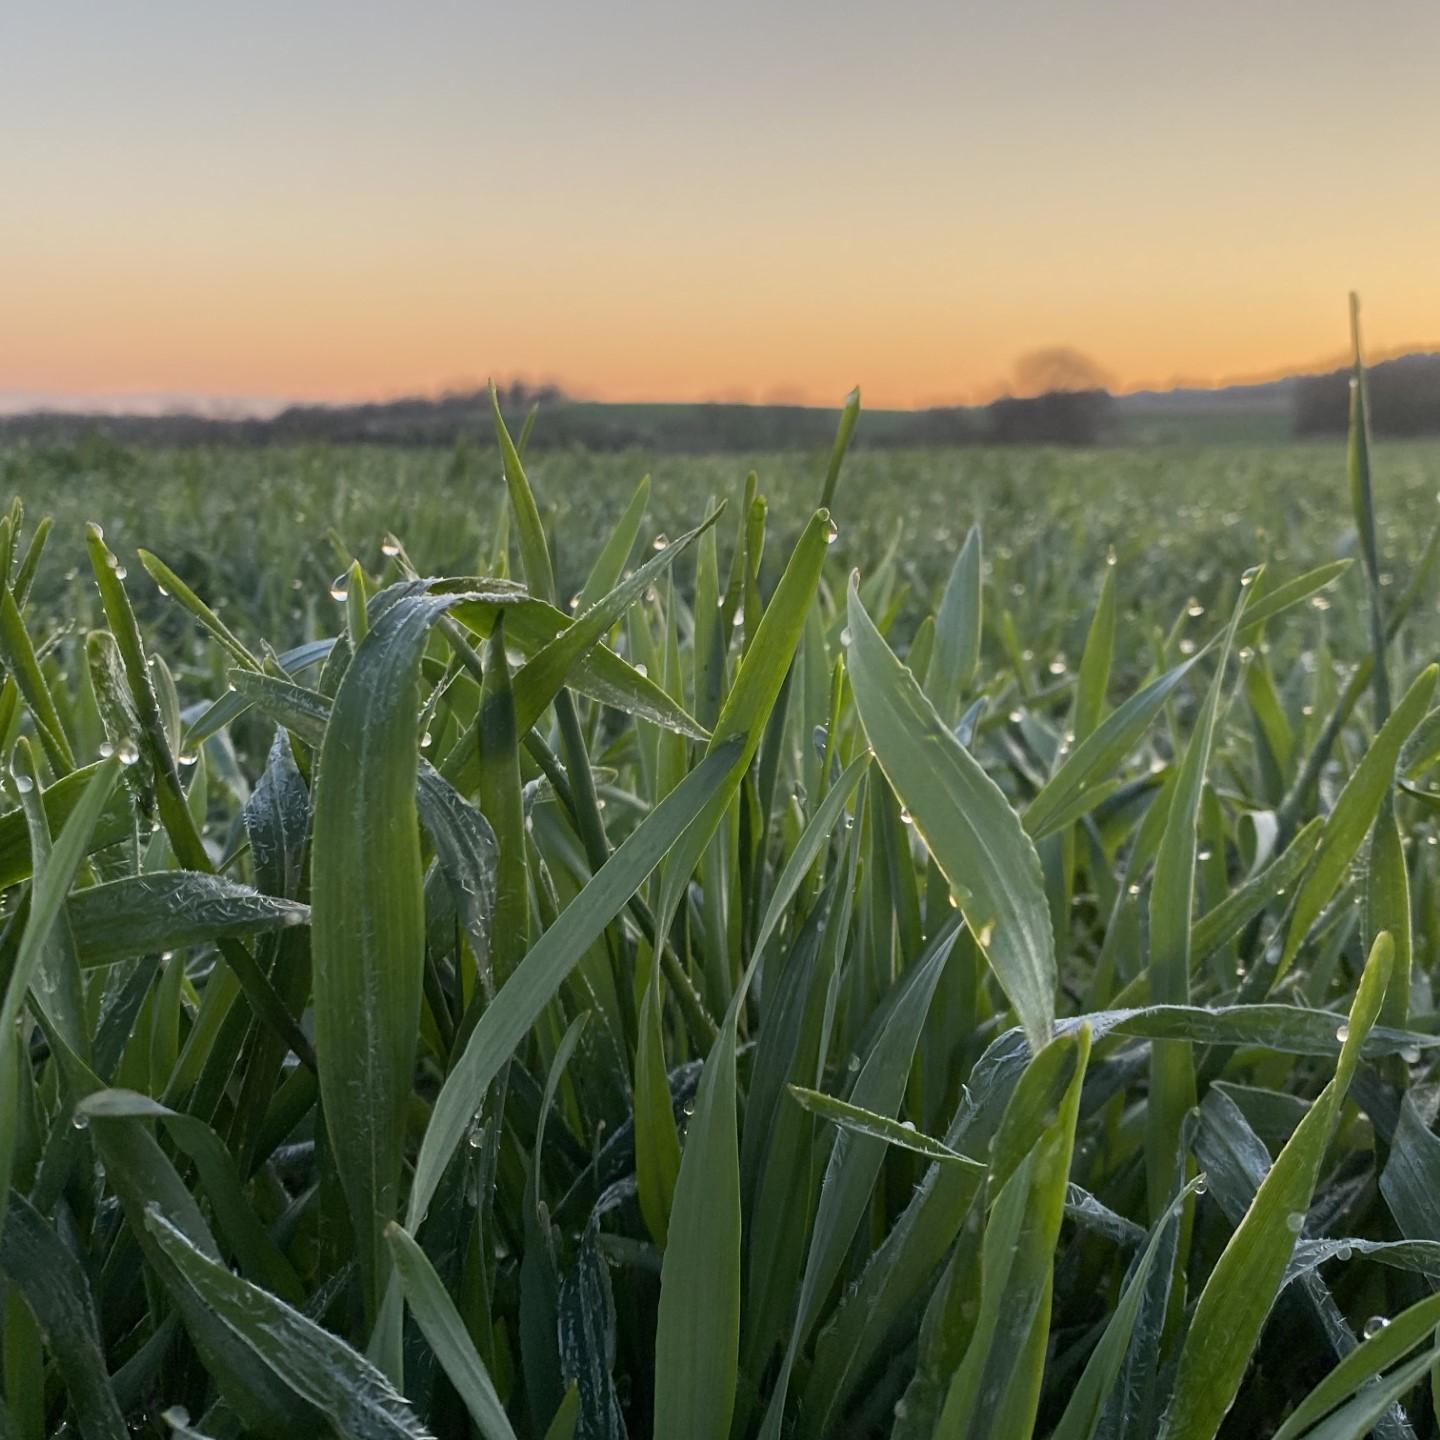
point(169, 910)
point(539, 680)
point(1240, 1290)
point(339, 1386)
point(258, 1255)
point(860, 1121)
point(975, 837)
point(1263, 605)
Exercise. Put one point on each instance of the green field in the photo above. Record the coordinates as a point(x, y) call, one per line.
point(958, 962)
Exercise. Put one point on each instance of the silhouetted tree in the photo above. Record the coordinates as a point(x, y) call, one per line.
point(1058, 368)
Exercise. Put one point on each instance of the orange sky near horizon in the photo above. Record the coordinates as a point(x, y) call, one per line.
point(666, 202)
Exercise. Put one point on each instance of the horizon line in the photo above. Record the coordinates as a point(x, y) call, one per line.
point(143, 402)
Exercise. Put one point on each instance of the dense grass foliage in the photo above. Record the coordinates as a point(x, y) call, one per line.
point(671, 981)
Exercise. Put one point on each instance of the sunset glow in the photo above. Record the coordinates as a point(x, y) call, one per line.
point(668, 202)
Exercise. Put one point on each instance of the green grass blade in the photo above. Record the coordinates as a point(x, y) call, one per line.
point(368, 922)
point(534, 551)
point(522, 998)
point(1172, 904)
point(1082, 1413)
point(339, 1387)
point(1369, 1359)
point(609, 564)
point(169, 910)
point(860, 1121)
point(1354, 813)
point(447, 1336)
point(848, 416)
point(1241, 1288)
point(55, 1288)
point(957, 632)
point(973, 834)
point(1095, 759)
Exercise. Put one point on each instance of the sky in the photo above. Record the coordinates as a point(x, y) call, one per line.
point(335, 199)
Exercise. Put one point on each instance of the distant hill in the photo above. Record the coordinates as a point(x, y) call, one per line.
point(1405, 396)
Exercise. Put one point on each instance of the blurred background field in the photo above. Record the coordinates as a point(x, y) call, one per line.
point(263, 531)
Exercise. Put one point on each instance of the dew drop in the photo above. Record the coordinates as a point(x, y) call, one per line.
point(1057, 665)
point(1194, 609)
point(1204, 854)
point(642, 669)
point(1111, 558)
point(845, 636)
point(660, 541)
point(1202, 1183)
point(426, 740)
point(128, 751)
point(1015, 717)
point(80, 1120)
point(738, 618)
point(1411, 1054)
point(390, 546)
point(832, 532)
point(1295, 1222)
point(906, 818)
point(24, 784)
point(574, 603)
point(1344, 1253)
point(1374, 1325)
point(1132, 889)
point(340, 589)
point(188, 757)
point(1342, 1034)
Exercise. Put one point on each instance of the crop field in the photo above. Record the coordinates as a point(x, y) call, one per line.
point(905, 944)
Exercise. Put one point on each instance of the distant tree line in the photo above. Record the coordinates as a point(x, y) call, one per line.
point(1061, 399)
point(1404, 399)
